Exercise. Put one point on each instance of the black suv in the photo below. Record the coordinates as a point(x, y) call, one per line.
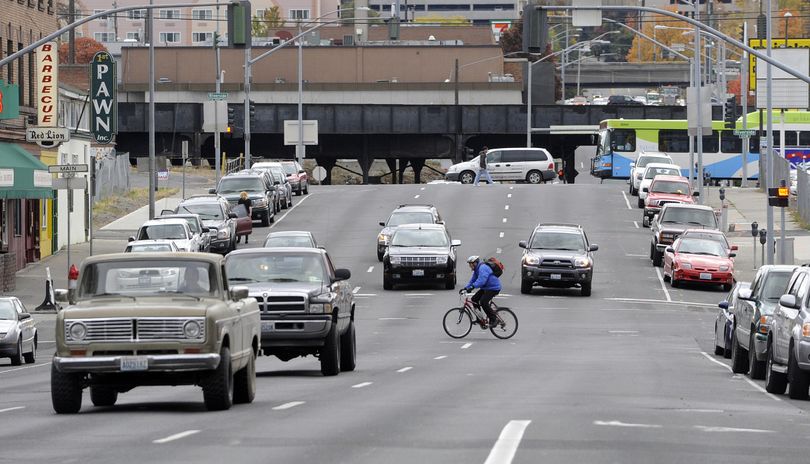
point(260, 189)
point(405, 214)
point(420, 253)
point(215, 213)
point(557, 255)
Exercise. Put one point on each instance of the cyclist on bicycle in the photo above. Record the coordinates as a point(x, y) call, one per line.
point(486, 282)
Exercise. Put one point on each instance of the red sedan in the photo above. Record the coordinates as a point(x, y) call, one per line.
point(699, 260)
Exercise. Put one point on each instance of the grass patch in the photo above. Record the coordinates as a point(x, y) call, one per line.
point(116, 206)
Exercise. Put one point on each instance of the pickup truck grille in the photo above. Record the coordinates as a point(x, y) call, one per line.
point(560, 263)
point(418, 261)
point(139, 329)
point(286, 304)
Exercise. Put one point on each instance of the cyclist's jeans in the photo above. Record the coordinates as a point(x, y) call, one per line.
point(483, 298)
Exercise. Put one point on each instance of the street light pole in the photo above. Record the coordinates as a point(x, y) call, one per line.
point(788, 15)
point(217, 87)
point(151, 32)
point(769, 179)
point(299, 148)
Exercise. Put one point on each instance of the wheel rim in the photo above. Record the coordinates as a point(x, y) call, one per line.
point(466, 178)
point(534, 178)
point(507, 326)
point(457, 323)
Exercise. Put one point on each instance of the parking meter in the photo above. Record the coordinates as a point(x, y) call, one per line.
point(754, 227)
point(722, 193)
point(763, 238)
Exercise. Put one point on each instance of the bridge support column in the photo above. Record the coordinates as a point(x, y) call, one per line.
point(328, 164)
point(403, 165)
point(417, 165)
point(365, 165)
point(392, 166)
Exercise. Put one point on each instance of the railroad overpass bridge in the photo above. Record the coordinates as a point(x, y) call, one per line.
point(623, 75)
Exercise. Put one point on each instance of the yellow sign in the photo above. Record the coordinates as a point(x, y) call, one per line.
point(761, 44)
point(783, 192)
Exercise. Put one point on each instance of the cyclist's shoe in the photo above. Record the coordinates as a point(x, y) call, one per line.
point(493, 322)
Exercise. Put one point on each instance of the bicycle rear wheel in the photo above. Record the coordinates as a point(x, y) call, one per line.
point(457, 323)
point(507, 324)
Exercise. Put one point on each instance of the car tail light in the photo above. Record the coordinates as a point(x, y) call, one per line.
point(763, 324)
point(551, 166)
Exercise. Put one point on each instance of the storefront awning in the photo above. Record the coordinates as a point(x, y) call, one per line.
point(22, 175)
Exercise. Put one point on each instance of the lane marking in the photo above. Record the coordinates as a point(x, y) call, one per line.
point(505, 295)
point(405, 369)
point(440, 357)
point(418, 294)
point(12, 409)
point(463, 347)
point(498, 251)
point(626, 200)
point(365, 294)
point(511, 188)
point(416, 196)
point(508, 441)
point(508, 195)
point(631, 255)
point(504, 220)
point(422, 188)
point(618, 309)
point(697, 410)
point(290, 210)
point(663, 285)
point(177, 436)
point(356, 289)
point(506, 207)
point(582, 165)
point(623, 331)
point(370, 269)
point(636, 224)
point(750, 382)
point(500, 235)
point(647, 300)
point(26, 367)
point(392, 318)
point(361, 385)
point(707, 428)
point(289, 405)
point(627, 424)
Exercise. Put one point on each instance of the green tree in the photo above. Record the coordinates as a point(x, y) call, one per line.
point(272, 19)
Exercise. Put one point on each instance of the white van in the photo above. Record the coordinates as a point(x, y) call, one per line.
point(532, 165)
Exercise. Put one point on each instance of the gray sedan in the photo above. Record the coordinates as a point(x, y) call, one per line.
point(18, 332)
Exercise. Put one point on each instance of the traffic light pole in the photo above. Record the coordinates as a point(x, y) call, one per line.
point(217, 88)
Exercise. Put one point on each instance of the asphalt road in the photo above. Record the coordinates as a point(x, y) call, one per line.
point(623, 376)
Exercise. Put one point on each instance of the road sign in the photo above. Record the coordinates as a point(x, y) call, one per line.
point(743, 133)
point(47, 136)
point(67, 168)
point(310, 132)
point(163, 175)
point(9, 101)
point(214, 96)
point(319, 173)
point(103, 114)
point(70, 183)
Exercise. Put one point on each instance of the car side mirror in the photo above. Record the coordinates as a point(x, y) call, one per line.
point(205, 230)
point(302, 171)
point(723, 304)
point(654, 219)
point(523, 244)
point(164, 212)
point(734, 248)
point(695, 194)
point(212, 190)
point(232, 215)
point(342, 274)
point(61, 295)
point(24, 316)
point(239, 292)
point(789, 301)
point(455, 243)
point(382, 223)
point(131, 239)
point(645, 190)
point(669, 249)
point(593, 247)
point(732, 255)
point(632, 165)
point(744, 294)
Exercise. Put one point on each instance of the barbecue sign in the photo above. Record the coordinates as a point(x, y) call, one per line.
point(103, 114)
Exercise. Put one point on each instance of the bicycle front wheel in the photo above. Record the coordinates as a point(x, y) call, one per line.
point(507, 324)
point(457, 323)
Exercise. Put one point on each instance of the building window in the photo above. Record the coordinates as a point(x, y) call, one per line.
point(101, 18)
point(202, 14)
point(199, 37)
point(448, 7)
point(104, 37)
point(169, 14)
point(17, 211)
point(299, 14)
point(134, 36)
point(136, 15)
point(169, 37)
point(260, 13)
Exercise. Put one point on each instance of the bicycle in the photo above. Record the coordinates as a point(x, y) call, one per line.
point(458, 322)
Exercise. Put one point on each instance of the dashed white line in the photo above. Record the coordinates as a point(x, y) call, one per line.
point(511, 188)
point(504, 220)
point(633, 255)
point(405, 369)
point(12, 409)
point(623, 331)
point(440, 357)
point(356, 289)
point(416, 196)
point(498, 251)
point(508, 195)
point(635, 223)
point(500, 235)
point(418, 294)
point(289, 405)
point(365, 294)
point(392, 318)
point(707, 428)
point(465, 346)
point(180, 435)
point(361, 385)
point(663, 286)
point(647, 300)
point(750, 382)
point(26, 367)
point(626, 200)
point(505, 448)
point(626, 424)
point(506, 207)
point(422, 188)
point(371, 268)
point(582, 165)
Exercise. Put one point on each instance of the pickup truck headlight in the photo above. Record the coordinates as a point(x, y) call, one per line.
point(582, 262)
point(394, 259)
point(223, 234)
point(192, 329)
point(531, 260)
point(321, 303)
point(652, 202)
point(77, 331)
point(639, 176)
point(441, 259)
point(383, 238)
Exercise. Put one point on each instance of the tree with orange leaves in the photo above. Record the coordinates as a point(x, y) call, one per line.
point(671, 34)
point(85, 49)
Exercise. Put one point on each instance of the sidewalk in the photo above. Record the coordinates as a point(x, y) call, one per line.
point(746, 205)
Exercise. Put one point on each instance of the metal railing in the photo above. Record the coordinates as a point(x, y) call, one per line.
point(781, 171)
point(233, 165)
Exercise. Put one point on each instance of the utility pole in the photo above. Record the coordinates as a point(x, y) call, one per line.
point(769, 179)
point(115, 20)
point(744, 96)
point(150, 28)
point(217, 84)
point(299, 147)
point(72, 33)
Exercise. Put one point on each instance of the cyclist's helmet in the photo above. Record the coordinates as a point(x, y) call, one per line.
point(473, 259)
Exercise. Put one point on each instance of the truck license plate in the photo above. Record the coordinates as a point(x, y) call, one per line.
point(134, 363)
point(705, 276)
point(556, 276)
point(267, 326)
point(418, 272)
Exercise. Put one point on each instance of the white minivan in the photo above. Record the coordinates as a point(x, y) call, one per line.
point(532, 165)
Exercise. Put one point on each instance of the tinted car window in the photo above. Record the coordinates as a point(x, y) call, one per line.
point(775, 285)
point(240, 184)
point(690, 216)
point(557, 241)
point(205, 210)
point(652, 172)
point(162, 231)
point(276, 267)
point(419, 237)
point(673, 140)
point(398, 219)
point(514, 156)
point(625, 139)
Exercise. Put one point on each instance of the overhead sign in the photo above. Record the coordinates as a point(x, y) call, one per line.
point(47, 58)
point(215, 96)
point(787, 91)
point(742, 133)
point(103, 117)
point(49, 136)
point(9, 101)
point(587, 18)
point(310, 132)
point(67, 168)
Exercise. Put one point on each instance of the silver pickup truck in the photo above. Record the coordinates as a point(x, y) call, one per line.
point(155, 319)
point(307, 306)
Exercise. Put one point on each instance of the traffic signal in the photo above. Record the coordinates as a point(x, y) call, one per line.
point(535, 29)
point(251, 110)
point(730, 112)
point(239, 25)
point(231, 119)
point(778, 196)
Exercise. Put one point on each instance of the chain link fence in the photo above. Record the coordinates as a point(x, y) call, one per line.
point(112, 172)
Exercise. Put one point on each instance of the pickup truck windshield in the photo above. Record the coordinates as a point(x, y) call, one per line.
point(145, 277)
point(667, 186)
point(398, 219)
point(698, 217)
point(276, 267)
point(557, 241)
point(240, 184)
point(419, 238)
